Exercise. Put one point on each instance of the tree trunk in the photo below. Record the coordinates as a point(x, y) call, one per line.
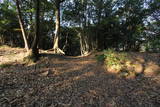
point(84, 46)
point(57, 30)
point(34, 49)
point(21, 23)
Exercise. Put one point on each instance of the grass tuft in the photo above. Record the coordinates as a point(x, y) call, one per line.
point(5, 65)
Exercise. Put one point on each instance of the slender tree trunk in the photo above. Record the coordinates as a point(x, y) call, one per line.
point(21, 23)
point(84, 44)
point(34, 49)
point(57, 30)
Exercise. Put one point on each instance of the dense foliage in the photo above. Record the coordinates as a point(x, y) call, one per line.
point(86, 25)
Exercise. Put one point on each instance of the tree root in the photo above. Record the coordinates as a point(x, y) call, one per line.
point(58, 51)
point(31, 58)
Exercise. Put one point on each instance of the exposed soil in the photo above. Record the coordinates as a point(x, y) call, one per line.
point(62, 81)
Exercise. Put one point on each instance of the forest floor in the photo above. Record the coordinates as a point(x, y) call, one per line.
point(65, 81)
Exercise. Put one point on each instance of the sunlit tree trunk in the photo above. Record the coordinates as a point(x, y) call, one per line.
point(21, 23)
point(57, 28)
point(84, 43)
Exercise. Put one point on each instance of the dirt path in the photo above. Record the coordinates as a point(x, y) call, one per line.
point(61, 81)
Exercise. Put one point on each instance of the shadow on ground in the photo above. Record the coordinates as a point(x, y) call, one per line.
point(62, 81)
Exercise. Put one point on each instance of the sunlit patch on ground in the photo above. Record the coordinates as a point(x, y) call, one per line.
point(76, 81)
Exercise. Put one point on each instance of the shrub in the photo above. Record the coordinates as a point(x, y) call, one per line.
point(101, 58)
point(114, 61)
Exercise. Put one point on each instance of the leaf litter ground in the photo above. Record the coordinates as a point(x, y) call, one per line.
point(63, 81)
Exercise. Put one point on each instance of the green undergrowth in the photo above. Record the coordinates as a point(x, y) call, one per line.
point(115, 62)
point(5, 65)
